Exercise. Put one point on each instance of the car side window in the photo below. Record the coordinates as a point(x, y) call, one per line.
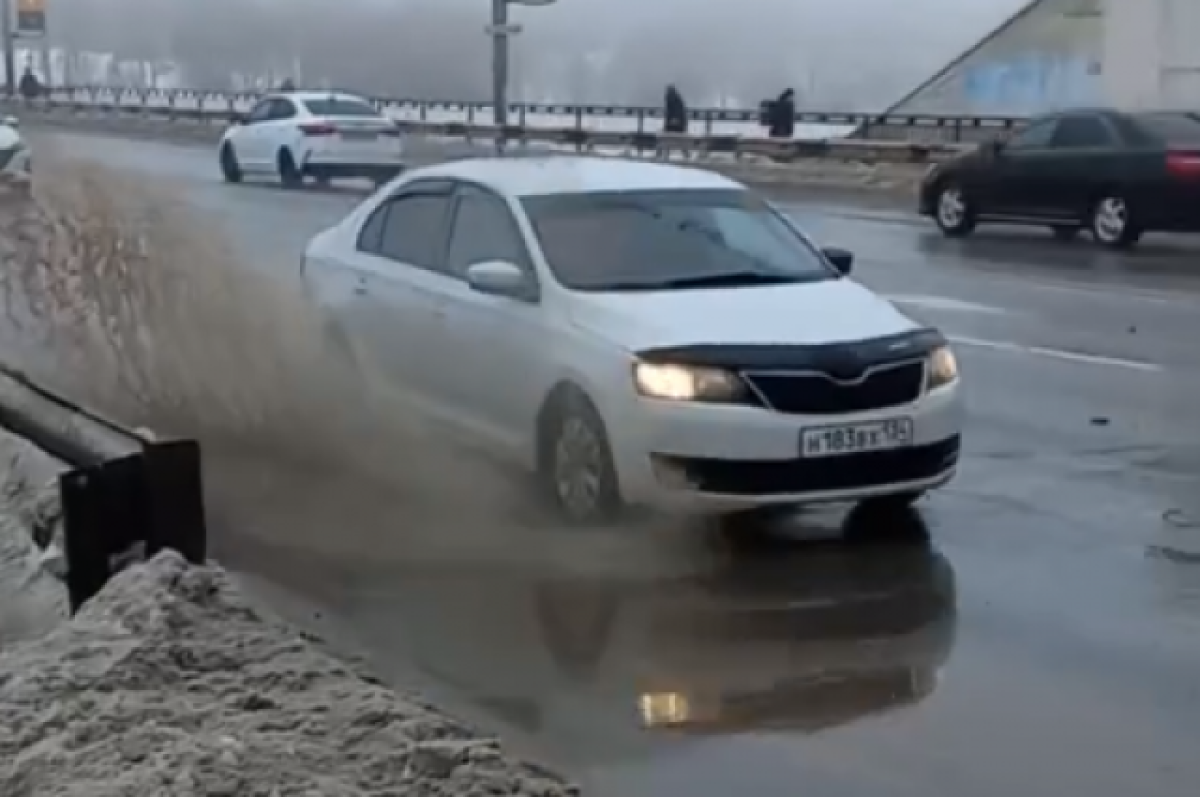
point(1036, 136)
point(414, 230)
point(281, 109)
point(484, 229)
point(370, 237)
point(1081, 132)
point(260, 112)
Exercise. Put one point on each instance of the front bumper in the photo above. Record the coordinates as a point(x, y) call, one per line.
point(705, 458)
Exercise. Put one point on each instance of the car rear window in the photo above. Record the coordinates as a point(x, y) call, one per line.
point(1172, 128)
point(340, 106)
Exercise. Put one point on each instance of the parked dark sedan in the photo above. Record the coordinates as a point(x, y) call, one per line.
point(1116, 174)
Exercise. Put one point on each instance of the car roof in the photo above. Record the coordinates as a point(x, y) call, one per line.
point(304, 96)
point(571, 174)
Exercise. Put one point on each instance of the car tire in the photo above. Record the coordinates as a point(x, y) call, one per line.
point(953, 211)
point(231, 170)
point(1113, 222)
point(891, 519)
point(289, 174)
point(575, 462)
point(1065, 233)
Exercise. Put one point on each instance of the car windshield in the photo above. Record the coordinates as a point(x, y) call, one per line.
point(670, 240)
point(340, 106)
point(1173, 129)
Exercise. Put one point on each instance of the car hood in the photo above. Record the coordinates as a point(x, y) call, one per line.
point(803, 314)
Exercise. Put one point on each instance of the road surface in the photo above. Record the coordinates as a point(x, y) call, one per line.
point(1046, 642)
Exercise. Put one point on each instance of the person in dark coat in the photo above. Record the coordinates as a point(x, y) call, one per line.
point(783, 115)
point(29, 87)
point(675, 113)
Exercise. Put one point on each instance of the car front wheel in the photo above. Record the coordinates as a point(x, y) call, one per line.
point(954, 214)
point(576, 465)
point(1113, 224)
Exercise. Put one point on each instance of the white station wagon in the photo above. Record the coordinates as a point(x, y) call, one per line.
point(639, 334)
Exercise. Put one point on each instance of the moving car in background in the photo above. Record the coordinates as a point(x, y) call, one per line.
point(322, 135)
point(16, 165)
point(639, 333)
point(1119, 175)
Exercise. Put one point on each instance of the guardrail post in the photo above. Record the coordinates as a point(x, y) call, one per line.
point(175, 499)
point(149, 500)
point(578, 118)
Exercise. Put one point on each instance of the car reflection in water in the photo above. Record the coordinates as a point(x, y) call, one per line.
point(794, 639)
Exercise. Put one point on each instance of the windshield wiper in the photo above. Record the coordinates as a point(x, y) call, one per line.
point(730, 279)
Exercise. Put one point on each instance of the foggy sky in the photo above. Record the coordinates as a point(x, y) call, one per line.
point(837, 54)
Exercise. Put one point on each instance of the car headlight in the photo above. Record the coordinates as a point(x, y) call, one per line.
point(943, 367)
point(687, 383)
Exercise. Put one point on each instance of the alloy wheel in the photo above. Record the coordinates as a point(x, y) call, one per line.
point(952, 208)
point(578, 468)
point(1111, 219)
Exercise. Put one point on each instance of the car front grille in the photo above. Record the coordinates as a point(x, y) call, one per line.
point(822, 394)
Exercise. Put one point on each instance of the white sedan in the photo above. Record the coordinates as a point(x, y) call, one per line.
point(639, 333)
point(16, 165)
point(322, 135)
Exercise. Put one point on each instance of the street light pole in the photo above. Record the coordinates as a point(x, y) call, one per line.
point(500, 30)
point(10, 49)
point(500, 33)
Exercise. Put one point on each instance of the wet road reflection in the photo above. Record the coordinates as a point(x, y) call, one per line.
point(744, 637)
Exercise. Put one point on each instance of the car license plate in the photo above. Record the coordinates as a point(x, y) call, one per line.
point(855, 438)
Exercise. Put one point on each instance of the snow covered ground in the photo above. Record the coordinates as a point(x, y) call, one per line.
point(170, 683)
point(32, 600)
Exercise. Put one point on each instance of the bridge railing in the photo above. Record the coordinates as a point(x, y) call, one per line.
point(640, 119)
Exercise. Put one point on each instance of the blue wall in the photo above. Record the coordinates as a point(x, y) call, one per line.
point(1031, 83)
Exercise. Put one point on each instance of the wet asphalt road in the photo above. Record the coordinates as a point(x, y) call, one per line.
point(1046, 641)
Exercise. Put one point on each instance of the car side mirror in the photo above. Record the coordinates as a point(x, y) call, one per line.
point(841, 259)
point(499, 278)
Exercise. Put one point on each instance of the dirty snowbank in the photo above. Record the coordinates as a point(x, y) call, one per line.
point(168, 683)
point(32, 600)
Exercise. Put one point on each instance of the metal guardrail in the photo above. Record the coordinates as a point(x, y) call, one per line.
point(737, 147)
point(197, 102)
point(125, 495)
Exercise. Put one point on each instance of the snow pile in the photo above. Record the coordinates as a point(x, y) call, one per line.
point(168, 683)
point(32, 600)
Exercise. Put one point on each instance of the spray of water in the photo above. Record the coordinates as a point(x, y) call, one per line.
point(127, 297)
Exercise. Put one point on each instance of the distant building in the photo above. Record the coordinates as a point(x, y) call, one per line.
point(1053, 54)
